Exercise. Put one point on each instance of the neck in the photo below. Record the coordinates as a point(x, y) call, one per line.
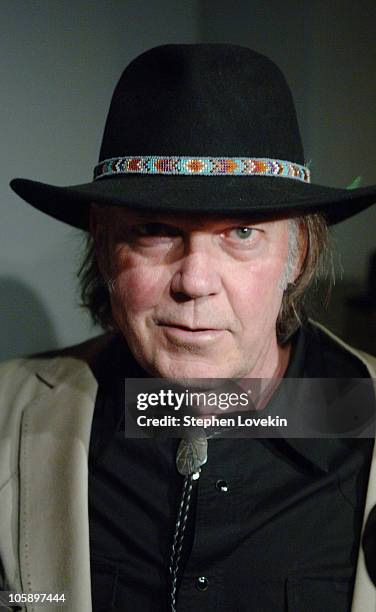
point(266, 378)
point(272, 362)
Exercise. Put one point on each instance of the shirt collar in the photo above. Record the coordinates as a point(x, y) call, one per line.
point(308, 361)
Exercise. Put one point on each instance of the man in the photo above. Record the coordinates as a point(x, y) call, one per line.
point(204, 234)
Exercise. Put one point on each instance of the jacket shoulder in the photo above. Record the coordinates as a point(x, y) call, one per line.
point(20, 378)
point(86, 351)
point(369, 361)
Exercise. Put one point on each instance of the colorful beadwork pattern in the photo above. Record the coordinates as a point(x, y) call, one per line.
point(205, 166)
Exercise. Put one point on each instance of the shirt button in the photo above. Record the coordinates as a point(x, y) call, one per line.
point(202, 583)
point(221, 485)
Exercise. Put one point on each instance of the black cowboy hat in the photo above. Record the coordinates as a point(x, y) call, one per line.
point(206, 128)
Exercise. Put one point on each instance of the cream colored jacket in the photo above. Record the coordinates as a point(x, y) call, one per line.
point(46, 410)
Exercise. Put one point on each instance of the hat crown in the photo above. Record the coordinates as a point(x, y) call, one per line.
point(202, 100)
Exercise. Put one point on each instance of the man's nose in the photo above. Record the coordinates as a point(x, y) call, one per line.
point(197, 274)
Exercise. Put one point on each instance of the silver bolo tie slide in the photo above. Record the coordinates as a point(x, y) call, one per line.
point(192, 453)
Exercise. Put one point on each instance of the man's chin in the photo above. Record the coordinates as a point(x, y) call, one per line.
point(194, 375)
point(202, 384)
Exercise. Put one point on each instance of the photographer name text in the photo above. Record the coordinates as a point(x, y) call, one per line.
point(210, 421)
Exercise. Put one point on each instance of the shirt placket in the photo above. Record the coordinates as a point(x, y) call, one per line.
point(217, 502)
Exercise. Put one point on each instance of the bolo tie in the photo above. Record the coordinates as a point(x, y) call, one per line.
point(192, 453)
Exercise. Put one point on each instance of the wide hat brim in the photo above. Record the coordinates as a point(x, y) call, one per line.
point(255, 197)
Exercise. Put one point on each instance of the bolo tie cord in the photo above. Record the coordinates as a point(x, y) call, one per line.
point(180, 525)
point(191, 455)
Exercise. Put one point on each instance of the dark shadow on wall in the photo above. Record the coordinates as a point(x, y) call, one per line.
point(24, 322)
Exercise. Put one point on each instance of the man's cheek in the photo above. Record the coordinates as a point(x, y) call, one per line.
point(138, 290)
point(260, 302)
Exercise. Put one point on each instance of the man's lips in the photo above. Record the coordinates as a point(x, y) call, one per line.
point(184, 333)
point(198, 328)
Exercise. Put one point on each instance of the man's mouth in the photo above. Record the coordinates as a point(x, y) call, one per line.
point(187, 333)
point(188, 327)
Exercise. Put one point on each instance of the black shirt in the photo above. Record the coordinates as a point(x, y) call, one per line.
point(274, 523)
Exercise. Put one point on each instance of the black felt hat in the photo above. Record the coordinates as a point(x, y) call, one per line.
point(206, 128)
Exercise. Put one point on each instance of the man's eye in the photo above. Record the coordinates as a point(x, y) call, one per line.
point(242, 237)
point(242, 233)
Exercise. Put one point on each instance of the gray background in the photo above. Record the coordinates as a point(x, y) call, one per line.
point(59, 63)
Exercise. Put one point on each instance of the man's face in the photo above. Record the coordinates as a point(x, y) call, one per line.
point(196, 296)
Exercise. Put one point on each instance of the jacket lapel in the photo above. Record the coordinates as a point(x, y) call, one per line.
point(364, 599)
point(53, 464)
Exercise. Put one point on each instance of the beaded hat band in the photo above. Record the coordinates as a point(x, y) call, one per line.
point(205, 166)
